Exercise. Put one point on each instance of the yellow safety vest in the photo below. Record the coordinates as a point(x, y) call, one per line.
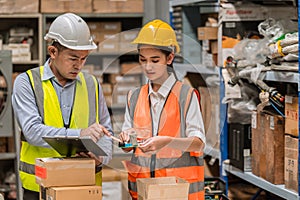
point(84, 113)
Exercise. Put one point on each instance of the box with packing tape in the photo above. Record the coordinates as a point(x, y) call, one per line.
point(75, 193)
point(162, 188)
point(51, 172)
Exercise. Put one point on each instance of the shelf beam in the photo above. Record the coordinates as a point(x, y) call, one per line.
point(261, 183)
point(187, 2)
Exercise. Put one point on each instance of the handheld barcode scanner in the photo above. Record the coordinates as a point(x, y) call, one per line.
point(132, 141)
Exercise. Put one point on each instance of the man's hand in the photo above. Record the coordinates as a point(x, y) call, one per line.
point(96, 131)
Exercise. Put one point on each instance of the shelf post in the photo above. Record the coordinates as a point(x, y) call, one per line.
point(298, 105)
point(223, 134)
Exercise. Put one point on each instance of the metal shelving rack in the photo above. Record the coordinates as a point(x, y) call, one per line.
point(279, 76)
point(190, 61)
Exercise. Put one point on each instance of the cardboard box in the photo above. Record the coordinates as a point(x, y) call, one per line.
point(108, 46)
point(131, 68)
point(213, 46)
point(126, 38)
point(257, 145)
point(207, 33)
point(291, 115)
point(162, 188)
point(19, 6)
point(210, 107)
point(119, 6)
point(74, 193)
point(291, 163)
point(62, 6)
point(268, 146)
point(64, 171)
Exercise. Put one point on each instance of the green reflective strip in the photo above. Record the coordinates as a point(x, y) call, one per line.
point(196, 187)
point(184, 161)
point(28, 168)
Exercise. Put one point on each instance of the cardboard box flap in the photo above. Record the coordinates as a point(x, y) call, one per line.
point(162, 188)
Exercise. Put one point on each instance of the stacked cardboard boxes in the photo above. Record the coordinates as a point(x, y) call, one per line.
point(291, 143)
point(19, 6)
point(61, 6)
point(106, 35)
point(123, 84)
point(209, 35)
point(67, 178)
point(123, 6)
point(76, 6)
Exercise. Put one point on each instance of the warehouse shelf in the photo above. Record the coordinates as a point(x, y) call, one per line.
point(188, 2)
point(249, 177)
point(99, 15)
point(7, 156)
point(118, 53)
point(192, 8)
point(182, 69)
point(282, 76)
point(31, 62)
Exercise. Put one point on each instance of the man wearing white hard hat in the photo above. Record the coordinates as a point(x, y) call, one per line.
point(57, 99)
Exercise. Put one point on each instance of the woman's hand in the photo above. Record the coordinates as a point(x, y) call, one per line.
point(125, 138)
point(154, 144)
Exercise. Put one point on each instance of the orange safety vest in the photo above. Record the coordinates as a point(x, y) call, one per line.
point(167, 161)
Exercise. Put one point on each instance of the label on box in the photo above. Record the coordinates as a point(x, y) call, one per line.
point(253, 120)
point(246, 152)
point(272, 122)
point(41, 172)
point(288, 99)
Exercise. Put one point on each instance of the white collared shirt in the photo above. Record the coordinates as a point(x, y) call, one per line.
point(194, 121)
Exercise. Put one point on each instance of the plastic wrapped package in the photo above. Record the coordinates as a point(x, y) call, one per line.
point(286, 44)
point(271, 29)
point(249, 52)
point(239, 110)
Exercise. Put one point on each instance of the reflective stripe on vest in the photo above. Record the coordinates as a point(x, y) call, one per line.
point(168, 161)
point(85, 104)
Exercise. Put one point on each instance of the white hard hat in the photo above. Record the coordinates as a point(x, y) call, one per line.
point(71, 31)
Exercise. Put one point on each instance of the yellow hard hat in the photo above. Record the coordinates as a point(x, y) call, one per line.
point(158, 33)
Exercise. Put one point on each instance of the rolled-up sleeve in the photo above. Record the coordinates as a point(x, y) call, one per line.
point(194, 120)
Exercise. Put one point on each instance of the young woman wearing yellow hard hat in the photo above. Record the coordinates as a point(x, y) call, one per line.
point(165, 115)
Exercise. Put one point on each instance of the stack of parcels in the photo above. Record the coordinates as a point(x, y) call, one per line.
point(67, 178)
point(291, 135)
